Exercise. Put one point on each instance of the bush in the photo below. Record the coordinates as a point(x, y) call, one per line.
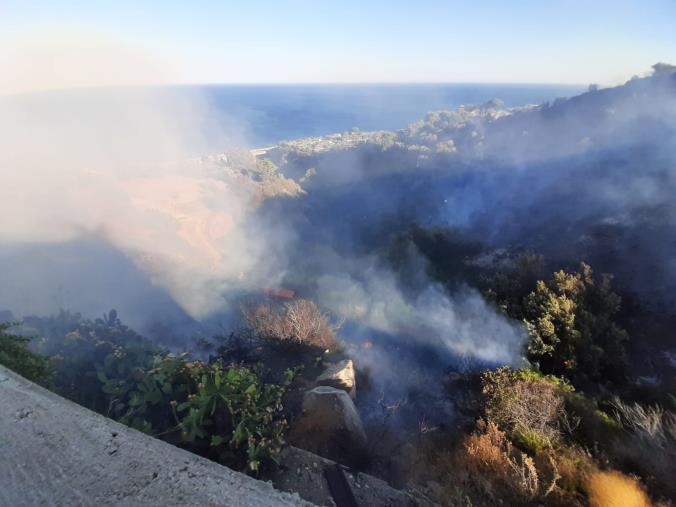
point(595, 426)
point(532, 441)
point(79, 348)
point(298, 322)
point(568, 469)
point(528, 406)
point(15, 355)
point(139, 384)
point(227, 414)
point(497, 471)
point(571, 326)
point(508, 286)
point(236, 413)
point(495, 468)
point(610, 489)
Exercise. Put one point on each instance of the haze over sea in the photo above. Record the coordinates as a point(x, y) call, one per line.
point(272, 113)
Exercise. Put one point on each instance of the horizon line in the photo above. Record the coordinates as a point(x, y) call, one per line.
point(291, 84)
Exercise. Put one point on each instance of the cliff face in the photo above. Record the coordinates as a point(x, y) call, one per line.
point(58, 453)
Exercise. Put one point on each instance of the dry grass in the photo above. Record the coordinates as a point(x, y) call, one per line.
point(564, 473)
point(649, 444)
point(495, 468)
point(574, 466)
point(298, 322)
point(613, 489)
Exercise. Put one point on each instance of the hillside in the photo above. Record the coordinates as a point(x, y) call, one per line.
point(478, 308)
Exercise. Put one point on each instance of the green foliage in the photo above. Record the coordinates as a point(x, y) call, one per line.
point(226, 414)
point(571, 326)
point(15, 355)
point(235, 412)
point(527, 405)
point(140, 384)
point(531, 441)
point(531, 375)
point(595, 425)
point(508, 288)
point(78, 348)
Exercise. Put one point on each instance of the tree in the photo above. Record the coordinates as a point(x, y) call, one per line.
point(571, 326)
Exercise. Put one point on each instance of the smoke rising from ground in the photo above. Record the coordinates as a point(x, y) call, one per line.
point(116, 168)
point(462, 326)
point(114, 165)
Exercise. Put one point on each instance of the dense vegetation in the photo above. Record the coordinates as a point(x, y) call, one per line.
point(222, 411)
point(14, 354)
point(537, 437)
point(556, 431)
point(536, 197)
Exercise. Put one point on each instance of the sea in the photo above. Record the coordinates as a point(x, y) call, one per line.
point(272, 113)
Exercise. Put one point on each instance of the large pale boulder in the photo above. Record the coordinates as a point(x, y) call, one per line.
point(330, 424)
point(341, 376)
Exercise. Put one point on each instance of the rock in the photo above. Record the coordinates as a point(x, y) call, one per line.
point(330, 424)
point(340, 376)
point(303, 472)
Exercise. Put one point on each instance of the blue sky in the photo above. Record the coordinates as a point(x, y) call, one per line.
point(550, 41)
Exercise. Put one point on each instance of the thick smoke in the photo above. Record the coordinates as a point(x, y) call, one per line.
point(81, 169)
point(107, 207)
point(462, 326)
point(588, 178)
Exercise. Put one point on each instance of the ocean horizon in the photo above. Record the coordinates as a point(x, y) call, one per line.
point(253, 116)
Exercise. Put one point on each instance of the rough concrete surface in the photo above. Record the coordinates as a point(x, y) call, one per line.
point(55, 452)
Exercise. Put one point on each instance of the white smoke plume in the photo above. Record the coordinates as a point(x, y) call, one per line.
point(463, 326)
point(114, 164)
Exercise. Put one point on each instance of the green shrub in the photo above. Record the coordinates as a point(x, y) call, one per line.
point(227, 414)
point(532, 441)
point(15, 355)
point(236, 413)
point(595, 425)
point(529, 406)
point(139, 385)
point(571, 326)
point(78, 347)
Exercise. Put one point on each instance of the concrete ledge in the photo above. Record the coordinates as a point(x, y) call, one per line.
point(55, 452)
